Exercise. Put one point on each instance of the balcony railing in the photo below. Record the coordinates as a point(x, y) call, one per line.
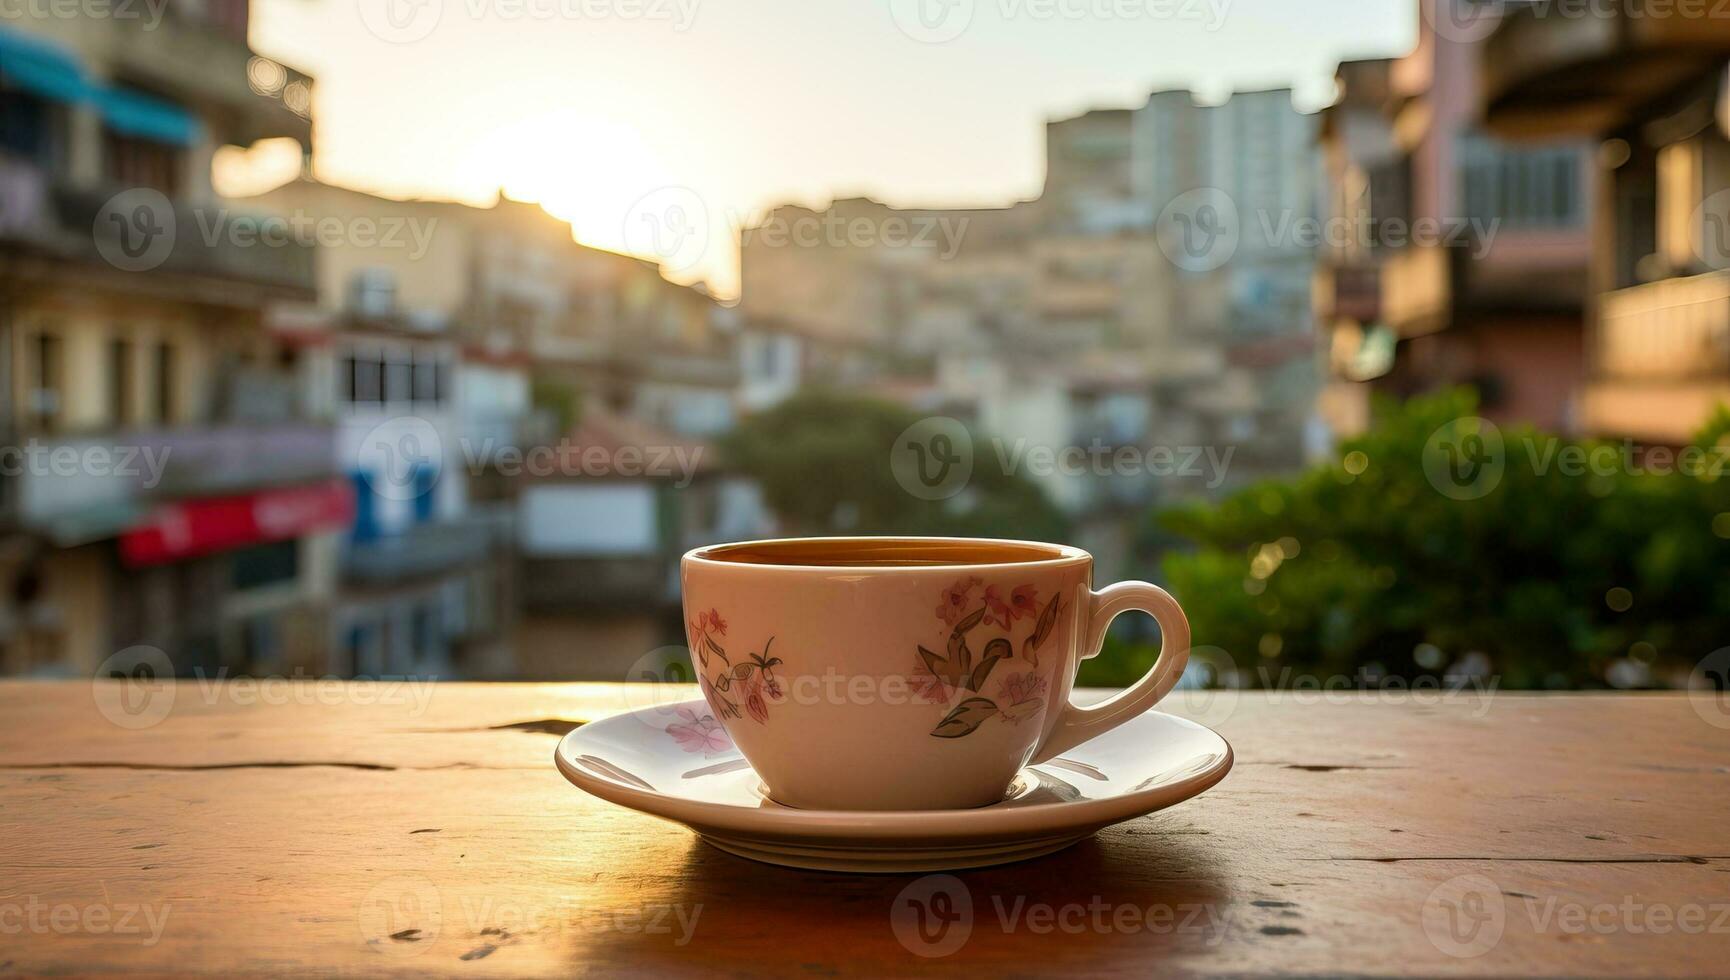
point(94, 227)
point(633, 582)
point(1350, 292)
point(1430, 287)
point(426, 550)
point(1673, 329)
point(88, 487)
point(1417, 289)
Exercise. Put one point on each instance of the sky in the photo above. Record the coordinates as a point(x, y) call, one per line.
point(594, 107)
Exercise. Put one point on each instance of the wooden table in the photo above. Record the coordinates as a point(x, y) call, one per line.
point(425, 831)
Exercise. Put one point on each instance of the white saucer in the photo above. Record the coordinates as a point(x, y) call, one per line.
point(666, 761)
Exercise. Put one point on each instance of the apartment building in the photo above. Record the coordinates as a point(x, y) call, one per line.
point(1645, 85)
point(1482, 276)
point(167, 491)
point(1364, 185)
point(418, 349)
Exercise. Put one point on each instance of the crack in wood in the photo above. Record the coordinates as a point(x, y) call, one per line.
point(1316, 768)
point(219, 766)
point(539, 726)
point(1634, 859)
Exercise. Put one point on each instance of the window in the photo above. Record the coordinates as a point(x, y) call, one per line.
point(120, 382)
point(365, 379)
point(165, 381)
point(398, 381)
point(266, 564)
point(45, 382)
point(345, 381)
point(426, 381)
point(136, 162)
point(29, 128)
point(1521, 187)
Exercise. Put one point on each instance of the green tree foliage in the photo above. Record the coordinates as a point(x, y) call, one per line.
point(823, 461)
point(1581, 556)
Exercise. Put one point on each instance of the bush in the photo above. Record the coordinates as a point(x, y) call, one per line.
point(1552, 579)
point(822, 460)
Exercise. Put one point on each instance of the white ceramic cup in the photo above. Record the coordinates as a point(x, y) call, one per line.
point(908, 673)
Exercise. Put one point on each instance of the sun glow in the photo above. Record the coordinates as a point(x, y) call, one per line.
point(585, 168)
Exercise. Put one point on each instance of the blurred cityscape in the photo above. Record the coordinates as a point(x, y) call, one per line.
point(317, 431)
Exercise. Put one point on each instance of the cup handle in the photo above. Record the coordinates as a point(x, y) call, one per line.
point(1077, 725)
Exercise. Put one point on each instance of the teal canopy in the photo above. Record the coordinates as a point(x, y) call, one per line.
point(135, 114)
point(41, 67)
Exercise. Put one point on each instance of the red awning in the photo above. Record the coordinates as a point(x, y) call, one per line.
point(191, 528)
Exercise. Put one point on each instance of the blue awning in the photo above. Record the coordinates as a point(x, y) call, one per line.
point(41, 67)
point(44, 68)
point(135, 114)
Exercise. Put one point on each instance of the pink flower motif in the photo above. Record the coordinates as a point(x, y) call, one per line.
point(1021, 696)
point(699, 734)
point(756, 697)
point(955, 600)
point(929, 687)
point(716, 623)
point(757, 707)
point(1023, 601)
point(1021, 688)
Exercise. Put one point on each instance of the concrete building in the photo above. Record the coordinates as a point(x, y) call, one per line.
point(131, 311)
point(1364, 185)
point(1485, 284)
point(416, 350)
point(601, 534)
point(1650, 92)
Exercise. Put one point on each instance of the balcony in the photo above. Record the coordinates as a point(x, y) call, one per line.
point(87, 488)
point(426, 550)
point(1554, 69)
point(1661, 358)
point(1427, 288)
point(197, 62)
point(212, 254)
point(625, 583)
point(1417, 289)
point(1347, 292)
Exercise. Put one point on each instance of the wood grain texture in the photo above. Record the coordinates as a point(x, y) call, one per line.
point(430, 834)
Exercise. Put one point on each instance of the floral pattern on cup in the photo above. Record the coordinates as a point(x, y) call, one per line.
point(699, 733)
point(958, 678)
point(734, 689)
